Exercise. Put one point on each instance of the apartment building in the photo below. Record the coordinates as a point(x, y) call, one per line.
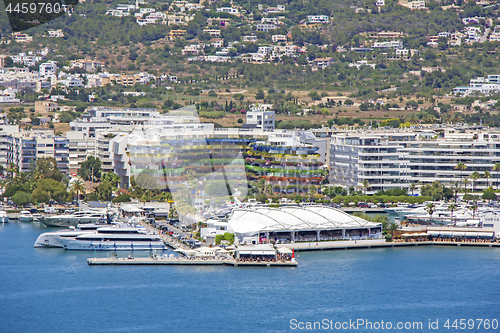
point(395, 158)
point(6, 131)
point(260, 117)
point(25, 148)
point(375, 157)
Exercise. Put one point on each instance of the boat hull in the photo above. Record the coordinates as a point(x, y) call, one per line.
point(4, 219)
point(25, 219)
point(112, 246)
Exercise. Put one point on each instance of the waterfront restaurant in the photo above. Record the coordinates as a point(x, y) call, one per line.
point(291, 224)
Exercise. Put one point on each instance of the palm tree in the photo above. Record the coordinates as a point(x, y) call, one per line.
point(268, 188)
point(456, 188)
point(12, 169)
point(78, 187)
point(487, 175)
point(474, 176)
point(460, 166)
point(430, 210)
point(452, 208)
point(474, 208)
point(413, 187)
point(466, 181)
point(496, 168)
point(366, 185)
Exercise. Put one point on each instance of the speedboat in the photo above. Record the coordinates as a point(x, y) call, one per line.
point(114, 239)
point(25, 216)
point(74, 219)
point(3, 217)
point(52, 239)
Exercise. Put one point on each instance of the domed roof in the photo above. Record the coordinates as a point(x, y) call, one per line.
point(293, 218)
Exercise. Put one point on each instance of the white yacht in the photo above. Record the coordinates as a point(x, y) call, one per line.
point(114, 239)
point(3, 217)
point(25, 216)
point(74, 219)
point(52, 239)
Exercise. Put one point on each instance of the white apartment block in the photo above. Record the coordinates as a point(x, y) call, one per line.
point(48, 68)
point(6, 131)
point(374, 157)
point(228, 10)
point(395, 158)
point(317, 19)
point(480, 85)
point(260, 117)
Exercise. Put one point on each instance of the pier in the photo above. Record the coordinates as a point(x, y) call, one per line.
point(359, 245)
point(184, 261)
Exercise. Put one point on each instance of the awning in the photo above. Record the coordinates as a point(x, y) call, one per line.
point(433, 233)
point(458, 233)
point(284, 250)
point(471, 234)
point(259, 253)
point(446, 233)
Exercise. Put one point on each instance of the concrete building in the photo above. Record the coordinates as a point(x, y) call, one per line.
point(261, 118)
point(6, 131)
point(395, 158)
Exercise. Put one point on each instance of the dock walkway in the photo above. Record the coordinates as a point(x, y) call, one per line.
point(340, 246)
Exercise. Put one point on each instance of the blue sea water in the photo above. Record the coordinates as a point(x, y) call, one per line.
point(52, 290)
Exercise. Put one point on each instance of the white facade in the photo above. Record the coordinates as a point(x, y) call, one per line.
point(261, 118)
point(395, 158)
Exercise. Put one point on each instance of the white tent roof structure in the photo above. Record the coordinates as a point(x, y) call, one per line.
point(293, 218)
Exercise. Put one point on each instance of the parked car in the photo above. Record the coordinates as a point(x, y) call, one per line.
point(362, 205)
point(370, 205)
point(382, 205)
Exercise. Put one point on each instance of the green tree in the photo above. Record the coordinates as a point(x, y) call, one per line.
point(487, 175)
point(112, 178)
point(77, 187)
point(496, 168)
point(21, 198)
point(460, 166)
point(413, 187)
point(56, 190)
point(40, 196)
point(430, 210)
point(46, 167)
point(90, 169)
point(105, 191)
point(452, 208)
point(366, 185)
point(260, 94)
point(474, 176)
point(489, 194)
point(122, 198)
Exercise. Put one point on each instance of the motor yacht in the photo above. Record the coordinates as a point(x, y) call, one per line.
point(67, 220)
point(25, 216)
point(52, 239)
point(114, 239)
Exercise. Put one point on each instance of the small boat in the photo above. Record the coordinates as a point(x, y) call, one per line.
point(3, 217)
point(25, 216)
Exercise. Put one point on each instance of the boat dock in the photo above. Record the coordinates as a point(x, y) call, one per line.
point(184, 261)
point(339, 246)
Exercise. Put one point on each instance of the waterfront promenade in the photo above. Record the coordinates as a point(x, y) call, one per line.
point(346, 245)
